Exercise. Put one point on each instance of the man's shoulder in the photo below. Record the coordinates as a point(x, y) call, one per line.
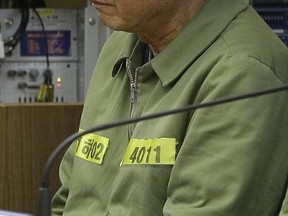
point(118, 37)
point(117, 42)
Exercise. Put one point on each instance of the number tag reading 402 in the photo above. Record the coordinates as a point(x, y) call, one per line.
point(151, 151)
point(92, 148)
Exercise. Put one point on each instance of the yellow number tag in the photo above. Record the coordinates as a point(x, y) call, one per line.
point(92, 148)
point(151, 151)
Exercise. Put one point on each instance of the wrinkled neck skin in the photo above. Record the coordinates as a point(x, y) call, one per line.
point(162, 30)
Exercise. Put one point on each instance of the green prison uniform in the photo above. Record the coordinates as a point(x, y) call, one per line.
point(225, 160)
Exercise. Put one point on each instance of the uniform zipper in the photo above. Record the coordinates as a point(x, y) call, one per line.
point(133, 94)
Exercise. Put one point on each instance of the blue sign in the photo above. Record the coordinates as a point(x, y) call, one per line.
point(32, 43)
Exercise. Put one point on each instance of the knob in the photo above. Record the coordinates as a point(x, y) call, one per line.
point(34, 74)
point(11, 73)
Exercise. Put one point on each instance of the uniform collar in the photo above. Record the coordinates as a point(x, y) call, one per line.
point(130, 41)
point(192, 41)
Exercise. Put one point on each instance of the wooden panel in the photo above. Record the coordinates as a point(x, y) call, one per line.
point(28, 135)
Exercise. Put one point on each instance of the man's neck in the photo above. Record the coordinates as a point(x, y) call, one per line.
point(158, 37)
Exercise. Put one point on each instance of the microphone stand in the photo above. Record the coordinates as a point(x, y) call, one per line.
point(45, 194)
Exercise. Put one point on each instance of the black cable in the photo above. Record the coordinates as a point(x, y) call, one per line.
point(23, 23)
point(12, 42)
point(48, 74)
point(74, 136)
point(45, 194)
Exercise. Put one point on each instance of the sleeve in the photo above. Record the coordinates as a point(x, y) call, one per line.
point(234, 158)
point(65, 171)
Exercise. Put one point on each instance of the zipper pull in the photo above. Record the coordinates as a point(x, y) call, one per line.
point(133, 92)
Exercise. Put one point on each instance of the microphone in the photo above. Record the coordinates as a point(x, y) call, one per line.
point(45, 194)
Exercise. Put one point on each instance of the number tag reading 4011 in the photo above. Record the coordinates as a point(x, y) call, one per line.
point(151, 151)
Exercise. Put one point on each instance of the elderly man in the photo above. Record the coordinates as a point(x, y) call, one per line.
point(225, 160)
